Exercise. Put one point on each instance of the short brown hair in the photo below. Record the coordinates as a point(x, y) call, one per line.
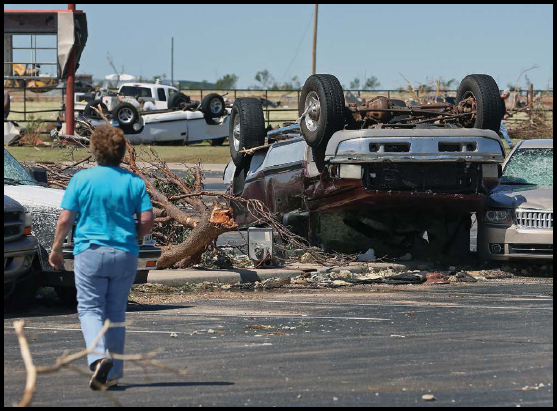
point(108, 145)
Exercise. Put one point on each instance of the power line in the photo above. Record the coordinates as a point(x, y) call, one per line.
point(298, 48)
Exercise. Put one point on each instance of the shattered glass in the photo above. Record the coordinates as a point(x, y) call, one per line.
point(531, 166)
point(14, 173)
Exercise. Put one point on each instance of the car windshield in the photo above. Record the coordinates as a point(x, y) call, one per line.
point(14, 173)
point(530, 166)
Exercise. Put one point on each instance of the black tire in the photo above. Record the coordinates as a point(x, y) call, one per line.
point(213, 106)
point(489, 105)
point(317, 128)
point(247, 128)
point(179, 101)
point(23, 294)
point(141, 277)
point(90, 113)
point(217, 142)
point(126, 115)
point(67, 295)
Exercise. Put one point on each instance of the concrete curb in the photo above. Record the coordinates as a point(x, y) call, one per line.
point(179, 278)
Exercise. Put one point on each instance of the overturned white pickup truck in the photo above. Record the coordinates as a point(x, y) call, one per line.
point(180, 121)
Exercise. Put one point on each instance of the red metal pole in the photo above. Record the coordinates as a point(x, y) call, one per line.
point(70, 88)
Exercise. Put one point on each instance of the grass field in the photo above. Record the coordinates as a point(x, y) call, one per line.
point(204, 153)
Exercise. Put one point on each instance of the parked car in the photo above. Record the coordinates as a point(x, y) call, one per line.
point(389, 177)
point(518, 221)
point(44, 204)
point(20, 249)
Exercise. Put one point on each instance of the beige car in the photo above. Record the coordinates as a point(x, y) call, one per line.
point(518, 221)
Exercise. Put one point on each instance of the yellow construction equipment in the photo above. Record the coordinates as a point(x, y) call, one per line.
point(40, 84)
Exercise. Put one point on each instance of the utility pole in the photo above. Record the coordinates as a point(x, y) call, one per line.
point(314, 39)
point(172, 63)
point(70, 87)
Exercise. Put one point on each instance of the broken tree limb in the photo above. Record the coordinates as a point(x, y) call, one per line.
point(65, 362)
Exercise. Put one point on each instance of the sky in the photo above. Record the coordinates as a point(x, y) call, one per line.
point(388, 41)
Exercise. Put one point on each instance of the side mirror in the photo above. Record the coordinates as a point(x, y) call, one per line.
point(38, 173)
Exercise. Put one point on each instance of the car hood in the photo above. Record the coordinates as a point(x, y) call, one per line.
point(44, 204)
point(530, 197)
point(36, 198)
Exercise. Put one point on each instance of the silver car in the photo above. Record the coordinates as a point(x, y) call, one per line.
point(518, 221)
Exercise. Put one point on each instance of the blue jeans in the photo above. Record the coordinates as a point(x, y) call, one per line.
point(505, 133)
point(103, 278)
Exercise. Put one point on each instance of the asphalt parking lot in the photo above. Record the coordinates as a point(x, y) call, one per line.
point(482, 344)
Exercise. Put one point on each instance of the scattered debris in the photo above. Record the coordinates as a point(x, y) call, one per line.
point(464, 277)
point(428, 397)
point(436, 278)
point(369, 255)
point(259, 327)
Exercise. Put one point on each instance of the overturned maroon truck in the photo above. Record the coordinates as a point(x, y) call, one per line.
point(383, 175)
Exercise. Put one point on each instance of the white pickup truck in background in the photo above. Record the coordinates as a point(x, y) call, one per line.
point(159, 94)
point(177, 119)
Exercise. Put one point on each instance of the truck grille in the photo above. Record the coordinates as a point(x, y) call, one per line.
point(14, 222)
point(534, 219)
point(450, 178)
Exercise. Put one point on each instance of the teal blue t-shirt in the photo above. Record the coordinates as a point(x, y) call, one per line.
point(106, 199)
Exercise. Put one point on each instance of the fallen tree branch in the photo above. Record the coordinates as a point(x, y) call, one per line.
point(65, 360)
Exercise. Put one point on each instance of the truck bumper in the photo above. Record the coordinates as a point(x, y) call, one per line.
point(18, 258)
point(147, 260)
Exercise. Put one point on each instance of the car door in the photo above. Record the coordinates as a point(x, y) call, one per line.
point(283, 172)
point(161, 100)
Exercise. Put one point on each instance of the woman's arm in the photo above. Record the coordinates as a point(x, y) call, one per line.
point(146, 221)
point(65, 222)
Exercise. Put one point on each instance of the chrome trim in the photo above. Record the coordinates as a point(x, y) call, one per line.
point(534, 219)
point(421, 149)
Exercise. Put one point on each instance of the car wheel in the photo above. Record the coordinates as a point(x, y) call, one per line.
point(247, 128)
point(126, 115)
point(321, 108)
point(213, 105)
point(90, 113)
point(67, 295)
point(217, 141)
point(179, 101)
point(479, 93)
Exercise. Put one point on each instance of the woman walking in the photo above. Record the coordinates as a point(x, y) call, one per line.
point(105, 200)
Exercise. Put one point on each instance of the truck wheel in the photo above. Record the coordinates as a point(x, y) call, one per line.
point(479, 93)
point(247, 128)
point(213, 105)
point(90, 113)
point(141, 277)
point(179, 101)
point(126, 115)
point(67, 295)
point(322, 101)
point(23, 294)
point(217, 141)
